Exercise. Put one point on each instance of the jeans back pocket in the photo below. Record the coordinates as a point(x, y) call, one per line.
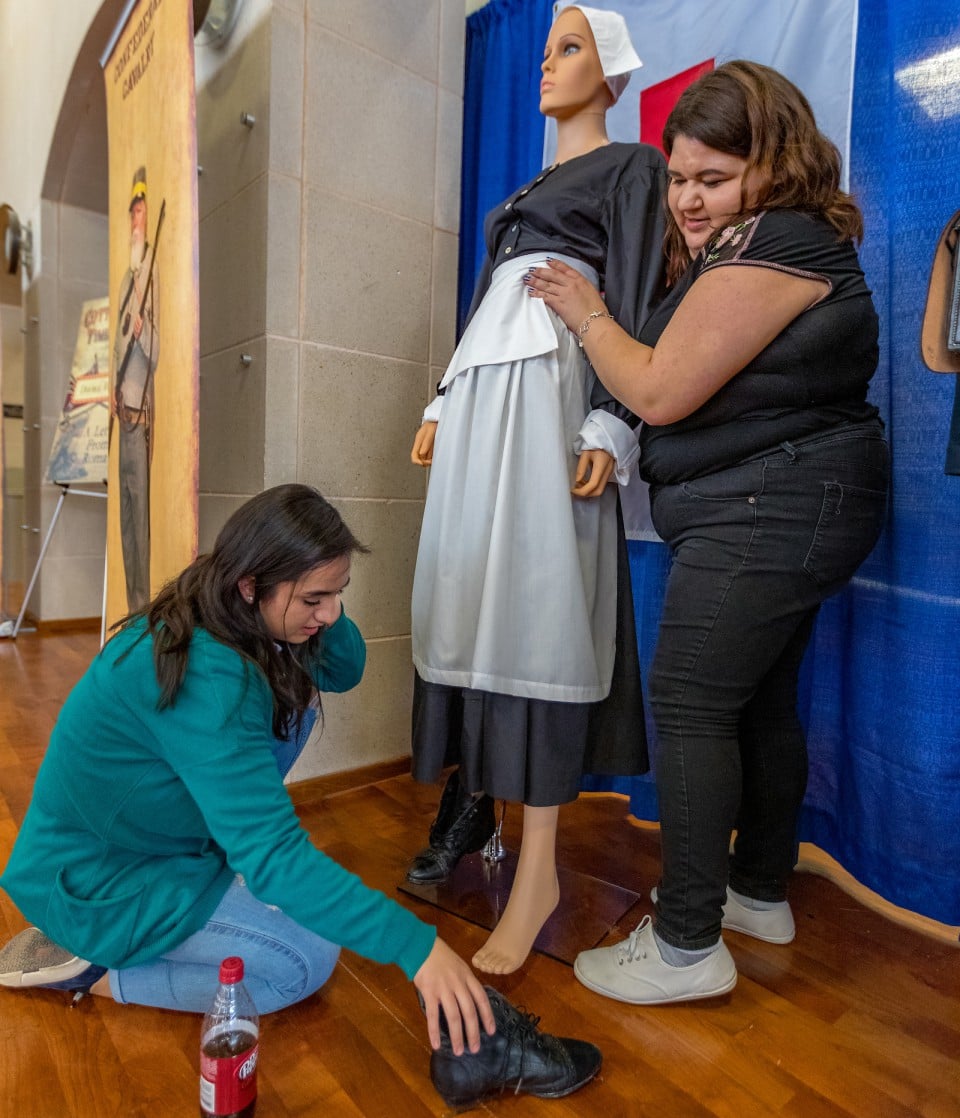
point(849, 525)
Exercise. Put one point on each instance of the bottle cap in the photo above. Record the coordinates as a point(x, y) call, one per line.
point(231, 970)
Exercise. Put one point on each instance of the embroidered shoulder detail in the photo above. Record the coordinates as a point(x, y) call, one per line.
point(732, 235)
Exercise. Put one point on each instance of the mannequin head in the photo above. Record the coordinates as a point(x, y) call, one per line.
point(573, 80)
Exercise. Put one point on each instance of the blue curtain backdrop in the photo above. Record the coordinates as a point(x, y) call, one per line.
point(880, 682)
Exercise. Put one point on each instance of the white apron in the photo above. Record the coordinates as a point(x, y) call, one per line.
point(516, 580)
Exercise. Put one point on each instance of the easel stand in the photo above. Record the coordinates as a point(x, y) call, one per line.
point(6, 630)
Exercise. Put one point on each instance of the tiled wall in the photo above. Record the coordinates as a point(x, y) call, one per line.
point(328, 255)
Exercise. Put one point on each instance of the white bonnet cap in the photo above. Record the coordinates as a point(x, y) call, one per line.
point(617, 56)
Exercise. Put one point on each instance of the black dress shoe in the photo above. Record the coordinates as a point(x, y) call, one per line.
point(518, 1057)
point(462, 826)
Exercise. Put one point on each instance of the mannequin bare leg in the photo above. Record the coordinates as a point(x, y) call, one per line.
point(534, 896)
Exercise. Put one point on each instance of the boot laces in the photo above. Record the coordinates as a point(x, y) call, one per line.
point(523, 1028)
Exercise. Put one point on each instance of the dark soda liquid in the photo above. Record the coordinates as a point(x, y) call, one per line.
point(223, 1046)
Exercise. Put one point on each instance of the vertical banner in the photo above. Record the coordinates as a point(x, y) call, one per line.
point(148, 70)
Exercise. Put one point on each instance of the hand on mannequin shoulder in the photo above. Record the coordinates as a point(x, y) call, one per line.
point(422, 452)
point(445, 981)
point(594, 470)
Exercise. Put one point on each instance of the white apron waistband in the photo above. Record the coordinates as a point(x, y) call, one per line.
point(510, 325)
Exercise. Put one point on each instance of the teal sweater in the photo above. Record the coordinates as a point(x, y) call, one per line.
point(140, 818)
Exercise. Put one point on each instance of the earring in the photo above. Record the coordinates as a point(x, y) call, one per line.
point(248, 598)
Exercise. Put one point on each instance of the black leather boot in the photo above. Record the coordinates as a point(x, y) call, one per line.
point(518, 1057)
point(462, 826)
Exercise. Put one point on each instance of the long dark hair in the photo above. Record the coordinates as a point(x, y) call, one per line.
point(276, 537)
point(749, 110)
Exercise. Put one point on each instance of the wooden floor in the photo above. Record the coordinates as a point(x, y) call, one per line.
point(858, 1016)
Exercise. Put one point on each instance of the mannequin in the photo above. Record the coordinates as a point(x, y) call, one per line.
point(515, 601)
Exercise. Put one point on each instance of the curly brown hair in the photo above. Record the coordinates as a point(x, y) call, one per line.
point(749, 110)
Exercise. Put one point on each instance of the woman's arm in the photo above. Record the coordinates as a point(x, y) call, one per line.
point(216, 740)
point(729, 315)
point(343, 656)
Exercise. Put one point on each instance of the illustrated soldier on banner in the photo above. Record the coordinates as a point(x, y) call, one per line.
point(136, 352)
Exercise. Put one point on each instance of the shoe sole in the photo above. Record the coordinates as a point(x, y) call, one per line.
point(494, 1092)
point(699, 996)
point(61, 973)
point(731, 927)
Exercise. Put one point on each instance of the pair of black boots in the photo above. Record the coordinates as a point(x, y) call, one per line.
point(463, 825)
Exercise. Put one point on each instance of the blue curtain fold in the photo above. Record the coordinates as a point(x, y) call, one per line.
point(879, 693)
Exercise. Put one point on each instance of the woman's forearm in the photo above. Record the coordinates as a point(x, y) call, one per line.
point(622, 364)
point(616, 357)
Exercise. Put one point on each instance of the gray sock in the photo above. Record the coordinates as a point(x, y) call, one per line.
point(679, 956)
point(752, 903)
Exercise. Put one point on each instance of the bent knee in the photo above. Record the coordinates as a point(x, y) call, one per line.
point(296, 977)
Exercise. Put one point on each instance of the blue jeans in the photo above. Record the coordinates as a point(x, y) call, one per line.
point(283, 961)
point(756, 549)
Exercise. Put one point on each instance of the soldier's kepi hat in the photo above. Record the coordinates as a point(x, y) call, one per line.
point(139, 189)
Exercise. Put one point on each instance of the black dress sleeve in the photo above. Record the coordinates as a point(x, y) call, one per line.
point(634, 218)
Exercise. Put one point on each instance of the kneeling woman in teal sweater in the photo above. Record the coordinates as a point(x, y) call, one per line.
point(161, 839)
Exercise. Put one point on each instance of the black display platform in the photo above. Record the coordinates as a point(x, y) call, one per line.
point(478, 891)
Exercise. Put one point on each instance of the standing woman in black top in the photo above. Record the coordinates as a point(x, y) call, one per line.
point(515, 599)
point(768, 471)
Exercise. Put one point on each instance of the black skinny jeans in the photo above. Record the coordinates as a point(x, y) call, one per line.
point(756, 548)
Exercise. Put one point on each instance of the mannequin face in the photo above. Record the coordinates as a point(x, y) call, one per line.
point(572, 75)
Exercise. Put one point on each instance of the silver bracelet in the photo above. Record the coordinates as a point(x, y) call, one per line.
point(585, 325)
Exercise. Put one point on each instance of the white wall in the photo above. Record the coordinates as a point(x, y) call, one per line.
point(41, 39)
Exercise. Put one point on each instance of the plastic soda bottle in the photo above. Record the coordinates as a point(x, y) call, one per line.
point(229, 1047)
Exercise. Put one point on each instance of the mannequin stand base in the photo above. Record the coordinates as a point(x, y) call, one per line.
point(477, 891)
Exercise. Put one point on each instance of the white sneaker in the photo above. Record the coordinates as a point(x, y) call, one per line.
point(633, 971)
point(772, 925)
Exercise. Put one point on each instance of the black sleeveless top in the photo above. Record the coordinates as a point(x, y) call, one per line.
point(813, 376)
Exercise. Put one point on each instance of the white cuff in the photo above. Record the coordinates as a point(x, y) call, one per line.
point(432, 412)
point(602, 430)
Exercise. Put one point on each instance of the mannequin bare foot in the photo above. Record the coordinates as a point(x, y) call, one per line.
point(511, 940)
point(535, 894)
